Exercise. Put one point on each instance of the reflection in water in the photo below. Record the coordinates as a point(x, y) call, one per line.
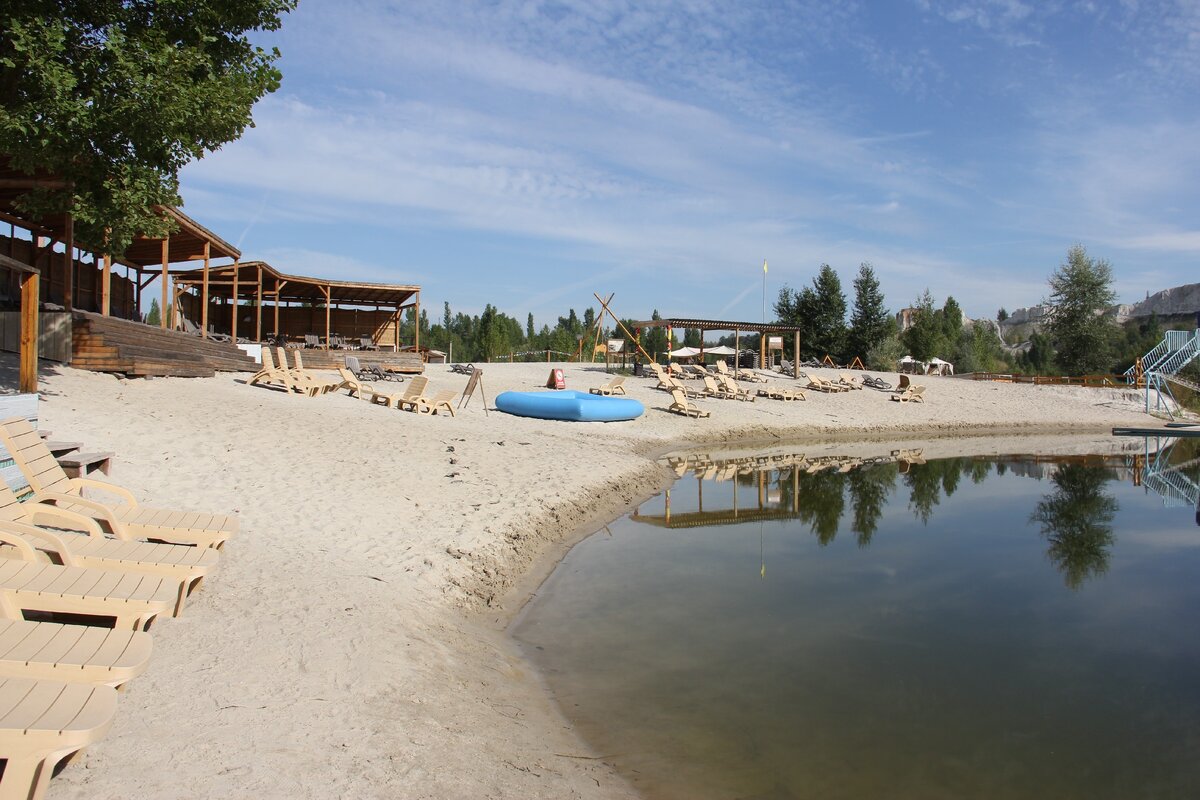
point(913, 637)
point(1077, 519)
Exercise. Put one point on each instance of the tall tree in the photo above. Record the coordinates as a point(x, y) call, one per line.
point(870, 321)
point(952, 321)
point(924, 337)
point(1080, 290)
point(529, 327)
point(116, 97)
point(829, 313)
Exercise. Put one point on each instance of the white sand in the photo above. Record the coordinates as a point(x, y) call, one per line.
point(352, 644)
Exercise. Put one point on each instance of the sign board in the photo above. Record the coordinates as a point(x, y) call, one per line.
point(616, 345)
point(774, 342)
point(556, 380)
point(474, 382)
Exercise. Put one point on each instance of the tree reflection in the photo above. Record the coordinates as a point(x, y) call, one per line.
point(1076, 519)
point(821, 503)
point(869, 490)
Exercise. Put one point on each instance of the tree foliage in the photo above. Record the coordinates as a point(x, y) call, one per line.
point(1080, 290)
point(819, 312)
point(116, 96)
point(870, 321)
point(924, 337)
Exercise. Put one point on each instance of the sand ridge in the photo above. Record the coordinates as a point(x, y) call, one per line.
point(351, 642)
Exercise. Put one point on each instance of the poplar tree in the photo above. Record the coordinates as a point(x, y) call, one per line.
point(1080, 291)
point(870, 321)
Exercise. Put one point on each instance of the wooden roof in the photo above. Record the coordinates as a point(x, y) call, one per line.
point(295, 288)
point(186, 243)
point(716, 325)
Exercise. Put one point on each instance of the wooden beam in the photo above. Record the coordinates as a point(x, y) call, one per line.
point(258, 309)
point(396, 327)
point(325, 291)
point(30, 291)
point(234, 314)
point(69, 255)
point(166, 281)
point(796, 357)
point(106, 286)
point(278, 286)
point(417, 325)
point(204, 297)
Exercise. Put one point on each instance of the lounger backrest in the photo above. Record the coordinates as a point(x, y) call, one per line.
point(679, 397)
point(283, 359)
point(29, 453)
point(299, 359)
point(268, 361)
point(904, 382)
point(312, 340)
point(353, 365)
point(348, 376)
point(617, 381)
point(711, 384)
point(415, 387)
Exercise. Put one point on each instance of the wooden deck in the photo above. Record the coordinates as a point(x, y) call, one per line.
point(110, 344)
point(317, 358)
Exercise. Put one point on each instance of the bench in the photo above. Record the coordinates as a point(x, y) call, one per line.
point(78, 465)
point(62, 448)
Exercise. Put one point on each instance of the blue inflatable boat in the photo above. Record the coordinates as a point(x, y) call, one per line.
point(568, 405)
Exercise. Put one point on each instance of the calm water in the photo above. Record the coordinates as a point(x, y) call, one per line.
point(963, 628)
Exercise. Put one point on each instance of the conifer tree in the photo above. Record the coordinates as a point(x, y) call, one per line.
point(870, 321)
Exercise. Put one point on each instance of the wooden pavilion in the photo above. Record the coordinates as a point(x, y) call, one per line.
point(704, 325)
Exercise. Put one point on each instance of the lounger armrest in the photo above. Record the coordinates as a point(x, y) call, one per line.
point(121, 491)
point(99, 509)
point(65, 517)
point(16, 538)
point(14, 533)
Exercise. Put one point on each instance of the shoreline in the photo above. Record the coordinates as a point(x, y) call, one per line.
point(359, 620)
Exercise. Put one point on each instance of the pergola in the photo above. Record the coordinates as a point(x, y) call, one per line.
point(258, 280)
point(704, 325)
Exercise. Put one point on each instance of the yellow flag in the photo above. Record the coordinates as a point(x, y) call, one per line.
point(764, 266)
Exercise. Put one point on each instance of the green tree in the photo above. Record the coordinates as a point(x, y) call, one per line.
point(952, 322)
point(1001, 315)
point(1076, 519)
point(870, 321)
point(154, 316)
point(529, 327)
point(829, 314)
point(114, 98)
point(924, 338)
point(1080, 290)
point(1040, 357)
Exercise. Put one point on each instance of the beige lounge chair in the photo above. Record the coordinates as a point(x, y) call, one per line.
point(733, 390)
point(414, 389)
point(779, 393)
point(674, 383)
point(72, 653)
point(659, 373)
point(128, 520)
point(849, 381)
point(615, 385)
point(43, 722)
point(430, 405)
point(278, 373)
point(819, 384)
point(680, 404)
point(366, 391)
point(903, 384)
point(915, 393)
point(322, 383)
point(713, 389)
point(270, 373)
point(28, 584)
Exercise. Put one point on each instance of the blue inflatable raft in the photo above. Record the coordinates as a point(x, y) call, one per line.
point(568, 405)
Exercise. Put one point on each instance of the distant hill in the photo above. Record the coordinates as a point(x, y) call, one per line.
point(1178, 305)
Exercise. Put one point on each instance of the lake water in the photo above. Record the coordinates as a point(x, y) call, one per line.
point(785, 627)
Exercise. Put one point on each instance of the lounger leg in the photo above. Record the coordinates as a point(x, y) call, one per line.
point(26, 776)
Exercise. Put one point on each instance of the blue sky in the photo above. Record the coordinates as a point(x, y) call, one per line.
point(528, 153)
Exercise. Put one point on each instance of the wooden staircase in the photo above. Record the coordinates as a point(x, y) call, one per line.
point(110, 344)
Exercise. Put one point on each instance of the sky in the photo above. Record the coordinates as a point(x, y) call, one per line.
point(527, 154)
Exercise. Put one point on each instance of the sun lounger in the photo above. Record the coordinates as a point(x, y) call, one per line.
point(42, 723)
point(915, 393)
point(279, 374)
point(680, 404)
point(659, 373)
point(672, 383)
point(615, 385)
point(733, 390)
point(322, 383)
point(819, 384)
point(845, 379)
point(188, 566)
point(72, 653)
point(903, 383)
point(366, 391)
point(779, 393)
point(132, 600)
point(365, 343)
point(129, 520)
point(713, 389)
point(430, 405)
point(414, 389)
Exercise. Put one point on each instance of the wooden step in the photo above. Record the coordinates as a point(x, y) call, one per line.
point(110, 344)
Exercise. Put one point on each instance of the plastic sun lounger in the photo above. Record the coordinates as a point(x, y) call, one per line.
point(680, 404)
point(301, 373)
point(778, 393)
point(735, 391)
point(366, 391)
point(133, 600)
point(711, 389)
point(915, 393)
point(127, 521)
point(615, 385)
point(187, 566)
point(72, 653)
point(43, 722)
point(430, 405)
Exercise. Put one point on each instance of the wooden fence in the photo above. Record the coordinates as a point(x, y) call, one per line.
point(1087, 381)
point(54, 334)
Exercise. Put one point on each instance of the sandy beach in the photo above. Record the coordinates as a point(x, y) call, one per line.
point(352, 642)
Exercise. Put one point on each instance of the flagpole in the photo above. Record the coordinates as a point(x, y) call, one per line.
point(764, 319)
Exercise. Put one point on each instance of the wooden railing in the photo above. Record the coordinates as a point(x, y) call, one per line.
point(1088, 381)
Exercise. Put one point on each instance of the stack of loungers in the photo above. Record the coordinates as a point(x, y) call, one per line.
point(121, 564)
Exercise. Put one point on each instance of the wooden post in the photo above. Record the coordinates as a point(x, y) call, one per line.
point(69, 255)
point(325, 290)
point(204, 296)
point(762, 351)
point(234, 315)
point(258, 310)
point(417, 324)
point(30, 291)
point(737, 348)
point(796, 357)
point(175, 312)
point(277, 290)
point(396, 322)
point(166, 281)
point(106, 286)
